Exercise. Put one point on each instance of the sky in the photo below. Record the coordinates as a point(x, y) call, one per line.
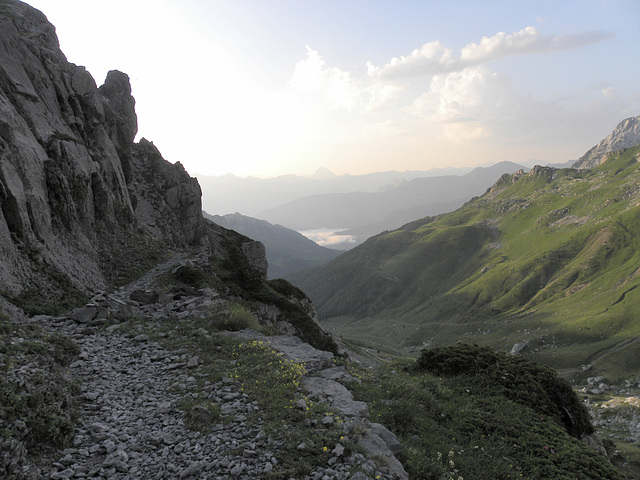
point(272, 87)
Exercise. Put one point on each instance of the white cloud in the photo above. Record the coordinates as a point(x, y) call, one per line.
point(381, 96)
point(308, 73)
point(608, 92)
point(327, 237)
point(462, 96)
point(476, 103)
point(463, 100)
point(433, 58)
point(333, 86)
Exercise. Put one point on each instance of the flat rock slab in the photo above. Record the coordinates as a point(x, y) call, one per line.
point(336, 395)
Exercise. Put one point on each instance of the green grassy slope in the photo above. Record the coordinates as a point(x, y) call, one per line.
point(549, 257)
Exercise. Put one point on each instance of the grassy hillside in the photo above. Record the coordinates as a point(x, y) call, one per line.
point(549, 257)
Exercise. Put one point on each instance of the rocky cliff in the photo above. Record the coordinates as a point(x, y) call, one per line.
point(73, 184)
point(75, 190)
point(97, 233)
point(625, 135)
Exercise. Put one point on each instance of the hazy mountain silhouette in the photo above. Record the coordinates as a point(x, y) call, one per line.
point(251, 195)
point(391, 207)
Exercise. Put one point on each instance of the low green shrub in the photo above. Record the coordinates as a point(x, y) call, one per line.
point(194, 420)
point(452, 426)
point(488, 372)
point(65, 350)
point(191, 276)
point(237, 317)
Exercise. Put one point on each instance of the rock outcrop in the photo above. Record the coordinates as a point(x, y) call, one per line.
point(83, 207)
point(625, 135)
point(74, 187)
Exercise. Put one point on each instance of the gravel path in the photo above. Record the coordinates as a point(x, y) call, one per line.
point(132, 425)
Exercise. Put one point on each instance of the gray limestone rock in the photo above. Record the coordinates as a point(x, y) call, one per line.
point(518, 347)
point(389, 438)
point(625, 135)
point(336, 395)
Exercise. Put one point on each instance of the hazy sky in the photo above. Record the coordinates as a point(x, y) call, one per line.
point(267, 87)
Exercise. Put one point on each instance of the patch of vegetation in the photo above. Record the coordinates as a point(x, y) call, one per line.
point(200, 413)
point(237, 317)
point(270, 380)
point(453, 426)
point(485, 371)
point(38, 402)
point(58, 295)
point(125, 258)
point(191, 276)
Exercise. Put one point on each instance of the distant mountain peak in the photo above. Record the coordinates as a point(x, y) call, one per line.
point(323, 173)
point(625, 135)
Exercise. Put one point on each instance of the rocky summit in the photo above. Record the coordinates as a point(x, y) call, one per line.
point(625, 135)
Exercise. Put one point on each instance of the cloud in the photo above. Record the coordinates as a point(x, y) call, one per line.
point(334, 87)
point(476, 103)
point(608, 91)
point(381, 96)
point(433, 58)
point(327, 238)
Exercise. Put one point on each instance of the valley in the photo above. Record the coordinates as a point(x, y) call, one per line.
point(547, 258)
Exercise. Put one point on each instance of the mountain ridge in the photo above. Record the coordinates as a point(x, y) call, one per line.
point(626, 134)
point(355, 209)
point(225, 194)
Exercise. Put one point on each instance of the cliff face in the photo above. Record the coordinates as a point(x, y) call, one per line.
point(74, 187)
point(625, 135)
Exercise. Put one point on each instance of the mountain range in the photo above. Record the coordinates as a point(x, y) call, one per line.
point(390, 208)
point(227, 194)
point(547, 258)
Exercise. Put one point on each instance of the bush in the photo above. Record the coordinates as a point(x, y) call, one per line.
point(518, 379)
point(241, 317)
point(201, 414)
point(64, 349)
point(191, 276)
point(38, 403)
point(238, 317)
